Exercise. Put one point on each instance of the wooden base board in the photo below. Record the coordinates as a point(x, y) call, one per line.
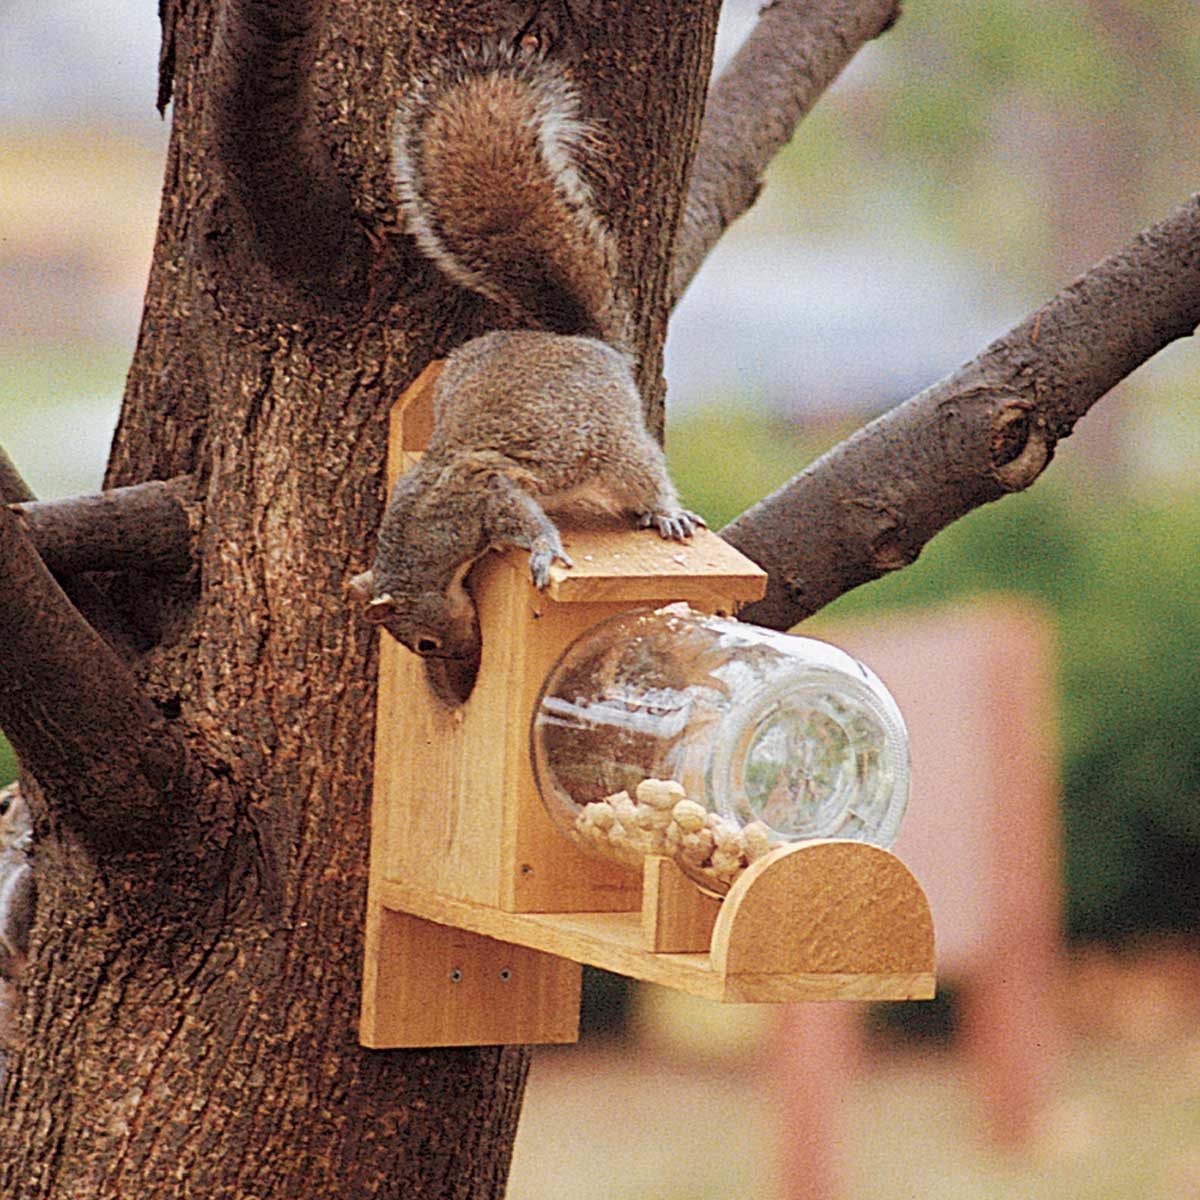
point(613, 941)
point(444, 986)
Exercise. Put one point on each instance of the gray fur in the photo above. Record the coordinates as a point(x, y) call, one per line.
point(526, 424)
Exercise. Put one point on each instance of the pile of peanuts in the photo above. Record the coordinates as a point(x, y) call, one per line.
point(660, 819)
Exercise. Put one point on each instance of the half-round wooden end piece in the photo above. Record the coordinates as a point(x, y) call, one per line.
point(824, 907)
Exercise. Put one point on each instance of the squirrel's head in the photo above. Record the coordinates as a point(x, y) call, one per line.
point(430, 623)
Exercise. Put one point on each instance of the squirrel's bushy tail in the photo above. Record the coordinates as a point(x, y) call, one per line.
point(486, 155)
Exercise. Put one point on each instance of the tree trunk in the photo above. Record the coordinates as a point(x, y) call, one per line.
point(192, 1010)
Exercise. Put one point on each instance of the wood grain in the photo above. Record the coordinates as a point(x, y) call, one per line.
point(639, 566)
point(676, 914)
point(836, 907)
point(441, 986)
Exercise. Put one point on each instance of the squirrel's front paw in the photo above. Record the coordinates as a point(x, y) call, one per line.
point(677, 524)
point(540, 561)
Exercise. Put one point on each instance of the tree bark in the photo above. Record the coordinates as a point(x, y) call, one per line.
point(192, 1000)
point(13, 488)
point(191, 1009)
point(75, 715)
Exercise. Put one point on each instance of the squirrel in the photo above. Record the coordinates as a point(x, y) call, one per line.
point(525, 424)
point(541, 419)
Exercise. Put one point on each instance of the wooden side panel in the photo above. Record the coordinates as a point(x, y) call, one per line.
point(411, 423)
point(427, 825)
point(435, 985)
point(542, 870)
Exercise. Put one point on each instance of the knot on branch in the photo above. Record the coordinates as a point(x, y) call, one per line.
point(890, 550)
point(885, 534)
point(1022, 445)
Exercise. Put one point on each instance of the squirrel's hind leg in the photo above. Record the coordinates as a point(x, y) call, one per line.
point(514, 518)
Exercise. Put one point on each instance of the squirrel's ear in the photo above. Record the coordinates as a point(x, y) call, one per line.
point(380, 609)
point(362, 585)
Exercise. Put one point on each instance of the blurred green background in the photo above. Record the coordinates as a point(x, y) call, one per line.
point(968, 165)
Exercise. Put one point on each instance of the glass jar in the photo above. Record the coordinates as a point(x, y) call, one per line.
point(710, 740)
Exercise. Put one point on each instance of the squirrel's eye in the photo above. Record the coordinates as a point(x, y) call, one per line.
point(5, 805)
point(428, 645)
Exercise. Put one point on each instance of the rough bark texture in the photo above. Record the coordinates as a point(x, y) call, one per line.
point(869, 505)
point(191, 1008)
point(797, 49)
point(201, 779)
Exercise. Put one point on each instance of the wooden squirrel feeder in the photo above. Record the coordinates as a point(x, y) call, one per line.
point(479, 912)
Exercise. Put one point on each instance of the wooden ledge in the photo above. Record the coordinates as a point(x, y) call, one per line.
point(814, 921)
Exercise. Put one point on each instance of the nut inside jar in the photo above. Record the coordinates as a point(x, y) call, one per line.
point(660, 819)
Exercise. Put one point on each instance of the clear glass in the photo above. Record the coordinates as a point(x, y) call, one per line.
point(711, 740)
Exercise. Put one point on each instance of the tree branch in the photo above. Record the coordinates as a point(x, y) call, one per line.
point(74, 713)
point(141, 528)
point(93, 603)
point(13, 489)
point(797, 49)
point(870, 505)
point(267, 133)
